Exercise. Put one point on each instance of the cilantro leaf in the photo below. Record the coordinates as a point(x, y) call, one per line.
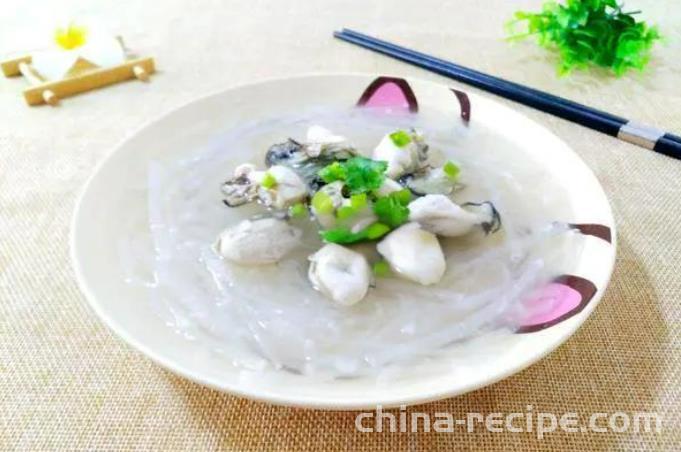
point(392, 209)
point(360, 174)
point(364, 175)
point(333, 172)
point(589, 32)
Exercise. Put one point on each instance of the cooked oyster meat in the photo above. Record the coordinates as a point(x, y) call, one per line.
point(258, 242)
point(340, 273)
point(442, 216)
point(414, 254)
point(397, 203)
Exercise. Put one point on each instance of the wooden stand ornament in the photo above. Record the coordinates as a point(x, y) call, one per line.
point(83, 75)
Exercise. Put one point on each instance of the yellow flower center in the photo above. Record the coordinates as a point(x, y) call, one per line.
point(70, 37)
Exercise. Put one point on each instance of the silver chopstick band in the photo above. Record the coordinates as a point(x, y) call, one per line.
point(640, 134)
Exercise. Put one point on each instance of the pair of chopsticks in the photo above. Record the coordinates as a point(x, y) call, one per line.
point(616, 126)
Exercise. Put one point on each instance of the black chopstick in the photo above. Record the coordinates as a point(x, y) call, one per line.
point(475, 75)
point(665, 143)
point(610, 124)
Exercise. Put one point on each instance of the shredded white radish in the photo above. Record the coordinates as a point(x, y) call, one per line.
point(273, 313)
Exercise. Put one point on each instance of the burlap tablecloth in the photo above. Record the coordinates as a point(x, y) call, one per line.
point(67, 383)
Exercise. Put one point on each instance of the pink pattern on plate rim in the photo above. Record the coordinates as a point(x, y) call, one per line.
point(389, 92)
point(553, 301)
point(559, 300)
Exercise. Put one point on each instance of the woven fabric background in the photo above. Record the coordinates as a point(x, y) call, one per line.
point(66, 383)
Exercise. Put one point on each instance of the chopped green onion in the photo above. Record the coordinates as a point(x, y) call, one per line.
point(451, 170)
point(357, 204)
point(345, 236)
point(400, 138)
point(382, 269)
point(391, 209)
point(358, 201)
point(297, 210)
point(339, 235)
point(376, 230)
point(345, 212)
point(403, 196)
point(322, 203)
point(268, 181)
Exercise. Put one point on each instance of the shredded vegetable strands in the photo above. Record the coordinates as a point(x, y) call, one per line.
point(273, 315)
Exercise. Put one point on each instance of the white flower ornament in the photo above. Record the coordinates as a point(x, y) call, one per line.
point(78, 58)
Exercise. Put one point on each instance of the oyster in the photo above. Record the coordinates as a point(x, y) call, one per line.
point(318, 137)
point(442, 216)
point(257, 242)
point(279, 186)
point(340, 273)
point(414, 253)
point(428, 181)
point(240, 189)
point(404, 152)
point(308, 159)
point(389, 186)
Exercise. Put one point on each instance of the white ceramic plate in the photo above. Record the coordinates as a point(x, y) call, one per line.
point(115, 192)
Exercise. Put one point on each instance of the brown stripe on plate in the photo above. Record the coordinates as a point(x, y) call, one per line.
point(597, 230)
point(464, 103)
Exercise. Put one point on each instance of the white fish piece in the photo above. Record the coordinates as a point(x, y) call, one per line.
point(340, 273)
point(258, 242)
point(288, 190)
point(442, 216)
point(414, 254)
point(401, 159)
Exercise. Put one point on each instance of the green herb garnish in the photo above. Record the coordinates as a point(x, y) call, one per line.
point(400, 138)
point(360, 174)
point(382, 269)
point(322, 203)
point(392, 209)
point(451, 170)
point(585, 32)
point(333, 172)
point(268, 181)
point(345, 236)
point(297, 210)
point(357, 204)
